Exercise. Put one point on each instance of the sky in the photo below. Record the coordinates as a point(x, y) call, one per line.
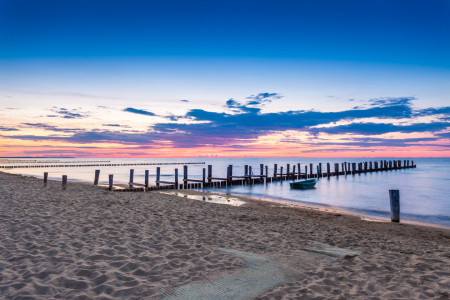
point(229, 78)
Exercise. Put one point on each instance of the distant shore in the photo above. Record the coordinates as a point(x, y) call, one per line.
point(89, 243)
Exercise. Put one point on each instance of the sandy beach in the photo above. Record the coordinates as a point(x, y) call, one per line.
point(88, 243)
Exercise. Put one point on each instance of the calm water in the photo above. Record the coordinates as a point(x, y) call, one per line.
point(424, 191)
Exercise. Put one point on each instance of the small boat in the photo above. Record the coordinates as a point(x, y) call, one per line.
point(304, 184)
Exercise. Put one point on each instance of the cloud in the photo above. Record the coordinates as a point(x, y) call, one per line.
point(68, 113)
point(51, 127)
point(245, 123)
point(381, 128)
point(3, 128)
point(139, 111)
point(391, 101)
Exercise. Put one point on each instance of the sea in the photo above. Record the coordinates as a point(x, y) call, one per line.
point(424, 191)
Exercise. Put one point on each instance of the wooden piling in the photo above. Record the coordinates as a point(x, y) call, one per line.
point(204, 177)
point(146, 180)
point(185, 175)
point(158, 175)
point(131, 177)
point(306, 172)
point(246, 170)
point(96, 177)
point(394, 197)
point(275, 170)
point(267, 172)
point(310, 170)
point(209, 173)
point(64, 182)
point(176, 178)
point(293, 172)
point(320, 170)
point(45, 177)
point(328, 169)
point(288, 167)
point(281, 173)
point(110, 182)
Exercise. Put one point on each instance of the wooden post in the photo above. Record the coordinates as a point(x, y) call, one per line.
point(246, 170)
point(267, 173)
point(288, 167)
point(158, 175)
point(394, 197)
point(336, 169)
point(261, 169)
point(231, 171)
point(209, 173)
point(318, 170)
point(353, 168)
point(275, 170)
point(306, 172)
point(404, 163)
point(176, 177)
point(228, 174)
point(412, 163)
point(344, 168)
point(64, 182)
point(45, 177)
point(185, 176)
point(146, 180)
point(293, 172)
point(131, 177)
point(328, 169)
point(250, 171)
point(299, 171)
point(370, 166)
point(310, 170)
point(97, 175)
point(281, 173)
point(111, 182)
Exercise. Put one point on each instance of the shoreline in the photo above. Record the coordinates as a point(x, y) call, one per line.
point(87, 243)
point(323, 207)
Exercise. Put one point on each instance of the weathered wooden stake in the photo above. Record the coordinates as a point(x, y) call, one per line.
point(146, 180)
point(185, 176)
point(293, 172)
point(131, 177)
point(306, 172)
point(110, 182)
point(158, 175)
point(267, 172)
point(275, 170)
point(288, 167)
point(394, 197)
point(64, 182)
point(261, 169)
point(318, 170)
point(310, 169)
point(97, 175)
point(246, 170)
point(45, 177)
point(209, 173)
point(328, 169)
point(176, 178)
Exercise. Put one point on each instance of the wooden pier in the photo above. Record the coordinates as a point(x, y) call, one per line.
point(250, 178)
point(100, 165)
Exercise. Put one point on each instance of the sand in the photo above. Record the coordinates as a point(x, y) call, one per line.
point(87, 243)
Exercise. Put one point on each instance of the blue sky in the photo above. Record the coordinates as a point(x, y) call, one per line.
point(107, 60)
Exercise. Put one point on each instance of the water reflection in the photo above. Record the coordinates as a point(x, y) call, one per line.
point(209, 198)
